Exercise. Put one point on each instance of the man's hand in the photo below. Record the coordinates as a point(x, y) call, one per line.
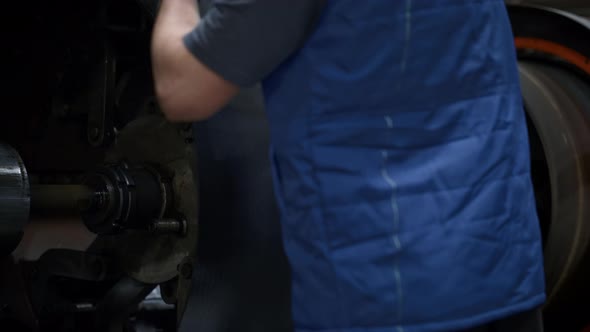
point(186, 89)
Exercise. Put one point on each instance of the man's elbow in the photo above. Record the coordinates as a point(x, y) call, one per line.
point(177, 107)
point(181, 112)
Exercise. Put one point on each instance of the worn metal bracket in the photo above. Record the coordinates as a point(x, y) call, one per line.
point(102, 100)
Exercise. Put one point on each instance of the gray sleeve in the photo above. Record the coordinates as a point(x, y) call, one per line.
point(245, 40)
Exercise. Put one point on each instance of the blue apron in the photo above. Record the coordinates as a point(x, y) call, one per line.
point(400, 158)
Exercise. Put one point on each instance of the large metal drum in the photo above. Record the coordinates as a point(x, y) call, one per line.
point(554, 60)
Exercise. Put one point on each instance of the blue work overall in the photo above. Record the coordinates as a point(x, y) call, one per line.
point(400, 157)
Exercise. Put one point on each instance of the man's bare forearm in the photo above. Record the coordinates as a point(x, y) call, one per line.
point(186, 89)
point(180, 10)
point(176, 18)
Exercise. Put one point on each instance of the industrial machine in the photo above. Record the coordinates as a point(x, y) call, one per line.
point(98, 193)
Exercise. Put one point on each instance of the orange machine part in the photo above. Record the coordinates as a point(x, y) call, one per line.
point(555, 49)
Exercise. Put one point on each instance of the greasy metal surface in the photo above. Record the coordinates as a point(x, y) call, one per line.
point(149, 257)
point(559, 105)
point(14, 198)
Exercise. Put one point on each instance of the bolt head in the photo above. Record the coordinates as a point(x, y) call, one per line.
point(186, 270)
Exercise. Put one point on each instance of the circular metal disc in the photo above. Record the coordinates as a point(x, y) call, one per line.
point(147, 257)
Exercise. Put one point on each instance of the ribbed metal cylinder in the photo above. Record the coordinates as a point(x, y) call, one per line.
point(14, 199)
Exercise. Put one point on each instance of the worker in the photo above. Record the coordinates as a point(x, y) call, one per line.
point(399, 152)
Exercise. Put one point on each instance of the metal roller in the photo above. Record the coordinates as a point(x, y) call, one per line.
point(554, 74)
point(59, 199)
point(14, 199)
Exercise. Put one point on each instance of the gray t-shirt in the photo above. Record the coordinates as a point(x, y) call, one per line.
point(245, 40)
